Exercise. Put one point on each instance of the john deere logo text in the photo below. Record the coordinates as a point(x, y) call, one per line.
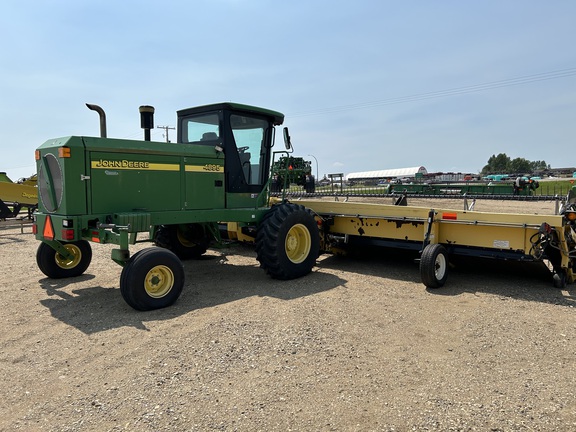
point(120, 164)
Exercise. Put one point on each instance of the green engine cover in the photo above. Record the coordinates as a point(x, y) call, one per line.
point(108, 175)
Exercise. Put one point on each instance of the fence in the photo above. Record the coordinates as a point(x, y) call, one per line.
point(16, 223)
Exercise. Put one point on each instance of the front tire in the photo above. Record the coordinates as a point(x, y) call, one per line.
point(152, 279)
point(434, 266)
point(55, 266)
point(288, 241)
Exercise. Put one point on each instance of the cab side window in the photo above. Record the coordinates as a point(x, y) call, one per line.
point(201, 129)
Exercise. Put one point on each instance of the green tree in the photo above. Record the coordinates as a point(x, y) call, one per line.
point(502, 164)
point(497, 164)
point(540, 165)
point(520, 165)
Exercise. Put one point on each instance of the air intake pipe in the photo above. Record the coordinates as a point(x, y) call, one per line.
point(146, 120)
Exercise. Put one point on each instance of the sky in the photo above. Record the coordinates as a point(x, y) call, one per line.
point(364, 85)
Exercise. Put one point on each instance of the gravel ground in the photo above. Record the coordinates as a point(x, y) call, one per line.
point(358, 345)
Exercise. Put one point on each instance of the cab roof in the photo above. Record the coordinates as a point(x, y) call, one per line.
point(278, 118)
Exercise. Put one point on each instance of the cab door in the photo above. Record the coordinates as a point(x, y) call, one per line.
point(247, 159)
point(204, 166)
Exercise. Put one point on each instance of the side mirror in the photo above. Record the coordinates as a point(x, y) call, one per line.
point(287, 142)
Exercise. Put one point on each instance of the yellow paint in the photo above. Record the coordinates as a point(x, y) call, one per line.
point(235, 233)
point(213, 168)
point(18, 192)
point(126, 164)
point(502, 231)
point(133, 165)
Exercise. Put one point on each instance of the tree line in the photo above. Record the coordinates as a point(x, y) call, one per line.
point(502, 164)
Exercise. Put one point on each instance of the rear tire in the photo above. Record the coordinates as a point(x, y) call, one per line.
point(288, 241)
point(186, 241)
point(152, 279)
point(434, 266)
point(53, 265)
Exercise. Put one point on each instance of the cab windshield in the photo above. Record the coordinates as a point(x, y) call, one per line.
point(250, 137)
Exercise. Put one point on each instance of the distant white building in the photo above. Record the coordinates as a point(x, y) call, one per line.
point(390, 173)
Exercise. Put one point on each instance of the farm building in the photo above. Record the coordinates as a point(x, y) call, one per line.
point(387, 174)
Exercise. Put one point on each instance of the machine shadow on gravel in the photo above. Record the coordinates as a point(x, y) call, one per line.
point(210, 281)
point(531, 281)
point(379, 262)
point(91, 309)
point(11, 239)
point(222, 286)
point(52, 285)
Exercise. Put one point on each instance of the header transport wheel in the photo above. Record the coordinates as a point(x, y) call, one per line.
point(152, 279)
point(434, 266)
point(288, 241)
point(55, 266)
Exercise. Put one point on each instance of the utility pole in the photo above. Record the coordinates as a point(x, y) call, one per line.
point(166, 131)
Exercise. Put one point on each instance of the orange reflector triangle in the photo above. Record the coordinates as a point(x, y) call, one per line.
point(48, 229)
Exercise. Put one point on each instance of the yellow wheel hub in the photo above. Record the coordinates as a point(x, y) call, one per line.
point(159, 281)
point(71, 262)
point(298, 243)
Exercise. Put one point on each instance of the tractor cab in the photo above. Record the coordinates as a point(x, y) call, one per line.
point(243, 134)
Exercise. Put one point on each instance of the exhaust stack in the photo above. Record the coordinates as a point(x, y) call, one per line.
point(102, 115)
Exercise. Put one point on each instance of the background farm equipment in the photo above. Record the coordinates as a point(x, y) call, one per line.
point(525, 187)
point(15, 196)
point(290, 170)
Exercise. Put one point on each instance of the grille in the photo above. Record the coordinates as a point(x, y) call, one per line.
point(50, 183)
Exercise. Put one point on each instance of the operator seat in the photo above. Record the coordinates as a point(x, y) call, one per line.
point(209, 136)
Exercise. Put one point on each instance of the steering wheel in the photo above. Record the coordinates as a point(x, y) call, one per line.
point(243, 149)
